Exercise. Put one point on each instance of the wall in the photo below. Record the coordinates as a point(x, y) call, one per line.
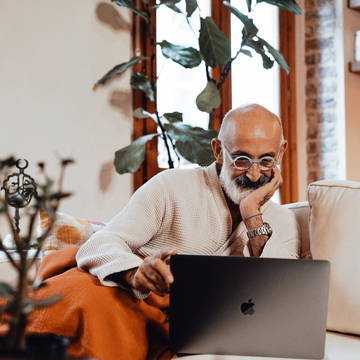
point(52, 52)
point(352, 95)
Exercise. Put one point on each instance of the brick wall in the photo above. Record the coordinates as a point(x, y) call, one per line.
point(321, 89)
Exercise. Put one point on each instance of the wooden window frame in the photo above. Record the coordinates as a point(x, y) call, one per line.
point(221, 16)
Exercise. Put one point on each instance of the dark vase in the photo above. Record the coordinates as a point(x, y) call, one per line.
point(39, 347)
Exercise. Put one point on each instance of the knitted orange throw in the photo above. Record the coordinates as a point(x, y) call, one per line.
point(102, 322)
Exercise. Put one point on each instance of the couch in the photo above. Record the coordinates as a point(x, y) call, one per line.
point(328, 228)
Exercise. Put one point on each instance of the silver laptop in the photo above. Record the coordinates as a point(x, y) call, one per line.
point(248, 306)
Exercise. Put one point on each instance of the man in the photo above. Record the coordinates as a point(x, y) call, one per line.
point(199, 211)
point(222, 210)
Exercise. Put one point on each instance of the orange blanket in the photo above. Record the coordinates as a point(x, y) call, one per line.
point(102, 322)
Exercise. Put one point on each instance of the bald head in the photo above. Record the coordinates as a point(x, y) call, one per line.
point(250, 120)
point(252, 131)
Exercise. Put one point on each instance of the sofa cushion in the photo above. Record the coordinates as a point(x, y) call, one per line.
point(67, 230)
point(334, 236)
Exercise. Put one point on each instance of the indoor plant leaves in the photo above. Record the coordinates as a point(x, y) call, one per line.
point(259, 48)
point(173, 117)
point(188, 57)
point(193, 143)
point(191, 6)
point(214, 46)
point(248, 3)
point(118, 69)
point(140, 113)
point(276, 55)
point(171, 4)
point(289, 5)
point(130, 5)
point(129, 158)
point(6, 290)
point(141, 82)
point(250, 30)
point(209, 98)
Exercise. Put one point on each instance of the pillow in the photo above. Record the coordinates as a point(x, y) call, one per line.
point(334, 236)
point(67, 230)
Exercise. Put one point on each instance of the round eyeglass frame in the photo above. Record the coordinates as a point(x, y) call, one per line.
point(251, 161)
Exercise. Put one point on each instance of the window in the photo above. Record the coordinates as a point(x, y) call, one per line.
point(178, 87)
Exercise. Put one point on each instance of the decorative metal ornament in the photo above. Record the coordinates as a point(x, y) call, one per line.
point(19, 189)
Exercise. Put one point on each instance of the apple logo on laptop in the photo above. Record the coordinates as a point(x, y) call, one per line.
point(247, 308)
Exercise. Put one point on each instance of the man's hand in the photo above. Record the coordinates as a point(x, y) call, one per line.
point(153, 274)
point(251, 204)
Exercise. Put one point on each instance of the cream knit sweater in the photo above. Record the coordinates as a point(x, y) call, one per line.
point(182, 209)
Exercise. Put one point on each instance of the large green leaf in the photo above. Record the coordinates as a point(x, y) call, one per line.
point(129, 158)
point(209, 98)
point(140, 113)
point(119, 69)
point(141, 82)
point(188, 57)
point(246, 52)
point(259, 48)
point(248, 3)
point(191, 6)
point(250, 30)
point(214, 46)
point(130, 5)
point(289, 5)
point(276, 55)
point(6, 290)
point(171, 4)
point(193, 143)
point(173, 117)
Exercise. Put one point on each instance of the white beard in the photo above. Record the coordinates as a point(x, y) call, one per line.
point(232, 190)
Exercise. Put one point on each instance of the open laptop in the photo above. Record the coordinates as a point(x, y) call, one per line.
point(248, 306)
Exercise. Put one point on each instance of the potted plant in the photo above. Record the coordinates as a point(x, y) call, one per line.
point(213, 51)
point(19, 191)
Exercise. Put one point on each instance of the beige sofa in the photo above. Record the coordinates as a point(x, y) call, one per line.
point(328, 228)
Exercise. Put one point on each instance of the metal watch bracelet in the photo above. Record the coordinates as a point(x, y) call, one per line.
point(264, 229)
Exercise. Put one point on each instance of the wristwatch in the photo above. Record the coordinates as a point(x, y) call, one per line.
point(264, 229)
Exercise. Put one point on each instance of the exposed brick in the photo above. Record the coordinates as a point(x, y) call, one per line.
point(319, 43)
point(321, 89)
point(311, 59)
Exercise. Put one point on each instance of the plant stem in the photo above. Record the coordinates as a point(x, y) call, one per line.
point(16, 335)
point(227, 67)
point(174, 148)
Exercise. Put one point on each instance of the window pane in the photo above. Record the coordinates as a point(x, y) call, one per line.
point(251, 83)
point(178, 87)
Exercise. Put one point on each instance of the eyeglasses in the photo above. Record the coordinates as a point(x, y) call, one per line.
point(243, 162)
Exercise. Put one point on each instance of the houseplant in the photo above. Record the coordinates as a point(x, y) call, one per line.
point(28, 198)
point(193, 143)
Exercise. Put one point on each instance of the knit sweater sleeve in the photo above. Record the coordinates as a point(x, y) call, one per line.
point(111, 249)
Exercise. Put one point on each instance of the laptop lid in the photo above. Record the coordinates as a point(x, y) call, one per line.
point(248, 306)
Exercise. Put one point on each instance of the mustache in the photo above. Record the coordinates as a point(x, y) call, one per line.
point(246, 183)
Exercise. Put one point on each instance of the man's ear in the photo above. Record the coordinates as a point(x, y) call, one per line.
point(283, 148)
point(216, 148)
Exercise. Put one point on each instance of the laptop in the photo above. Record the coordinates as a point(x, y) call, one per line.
point(248, 306)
